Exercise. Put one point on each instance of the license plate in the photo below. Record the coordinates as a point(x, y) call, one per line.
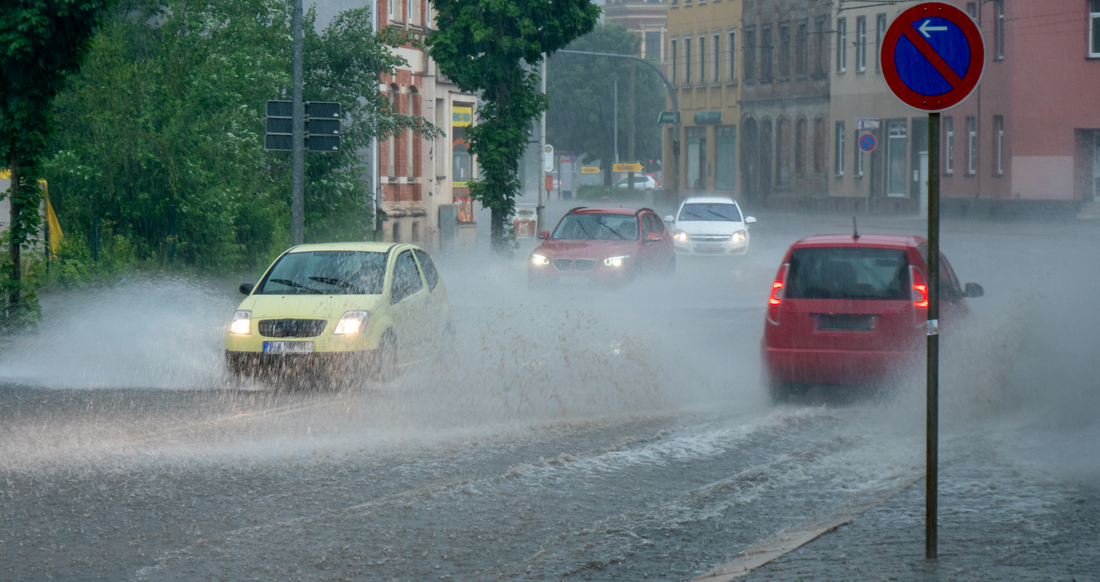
point(845, 322)
point(288, 347)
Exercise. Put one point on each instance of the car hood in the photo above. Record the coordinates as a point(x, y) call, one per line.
point(307, 306)
point(585, 249)
point(709, 227)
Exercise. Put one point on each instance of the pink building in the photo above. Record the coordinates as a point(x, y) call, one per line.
point(1029, 137)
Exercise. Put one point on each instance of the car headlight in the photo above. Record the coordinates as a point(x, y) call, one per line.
point(352, 322)
point(739, 236)
point(242, 323)
point(680, 236)
point(616, 261)
point(537, 259)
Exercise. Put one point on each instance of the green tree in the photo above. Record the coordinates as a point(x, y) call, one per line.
point(41, 41)
point(494, 47)
point(582, 110)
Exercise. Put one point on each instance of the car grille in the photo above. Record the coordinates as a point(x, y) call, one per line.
point(563, 264)
point(291, 327)
point(710, 238)
point(584, 264)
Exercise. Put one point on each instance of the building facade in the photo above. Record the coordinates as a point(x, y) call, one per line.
point(701, 60)
point(416, 175)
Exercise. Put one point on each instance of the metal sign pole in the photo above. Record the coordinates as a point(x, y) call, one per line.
point(297, 153)
point(933, 416)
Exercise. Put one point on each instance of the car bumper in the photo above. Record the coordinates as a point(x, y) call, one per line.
point(327, 363)
point(835, 366)
point(602, 274)
point(712, 248)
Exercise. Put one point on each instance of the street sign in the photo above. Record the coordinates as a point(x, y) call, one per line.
point(590, 169)
point(933, 56)
point(322, 110)
point(666, 117)
point(322, 143)
point(866, 123)
point(626, 167)
point(322, 126)
point(548, 159)
point(867, 142)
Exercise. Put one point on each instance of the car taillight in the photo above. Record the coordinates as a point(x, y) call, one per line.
point(776, 298)
point(919, 295)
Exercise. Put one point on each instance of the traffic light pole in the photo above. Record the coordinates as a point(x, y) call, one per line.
point(297, 152)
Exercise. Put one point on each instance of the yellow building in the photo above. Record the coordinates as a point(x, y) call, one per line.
point(702, 61)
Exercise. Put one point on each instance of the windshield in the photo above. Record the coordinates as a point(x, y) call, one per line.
point(848, 273)
point(326, 273)
point(597, 227)
point(713, 212)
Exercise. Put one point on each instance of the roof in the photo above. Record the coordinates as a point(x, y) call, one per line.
point(709, 200)
point(864, 240)
point(616, 210)
point(375, 247)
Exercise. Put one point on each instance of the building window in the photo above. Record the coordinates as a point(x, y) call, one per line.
point(858, 152)
point(839, 148)
point(972, 9)
point(687, 61)
point(896, 149)
point(784, 51)
point(800, 148)
point(819, 145)
point(390, 12)
point(672, 54)
point(949, 145)
point(414, 18)
point(725, 157)
point(765, 54)
point(391, 143)
point(749, 55)
point(999, 29)
point(801, 47)
point(822, 55)
point(999, 127)
point(733, 56)
point(971, 145)
point(841, 44)
point(861, 44)
point(783, 153)
point(880, 32)
point(702, 59)
point(1094, 28)
point(653, 46)
point(717, 41)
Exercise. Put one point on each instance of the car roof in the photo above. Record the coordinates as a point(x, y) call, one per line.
point(709, 200)
point(374, 247)
point(618, 210)
point(864, 240)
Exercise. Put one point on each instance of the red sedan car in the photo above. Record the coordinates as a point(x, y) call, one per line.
point(606, 245)
point(849, 309)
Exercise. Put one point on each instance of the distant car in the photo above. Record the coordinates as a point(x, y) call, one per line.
point(330, 308)
point(641, 182)
point(606, 245)
point(710, 226)
point(849, 309)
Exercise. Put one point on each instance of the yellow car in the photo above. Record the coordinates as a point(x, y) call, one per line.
point(341, 307)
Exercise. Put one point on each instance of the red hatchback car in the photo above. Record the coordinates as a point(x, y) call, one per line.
point(849, 309)
point(606, 245)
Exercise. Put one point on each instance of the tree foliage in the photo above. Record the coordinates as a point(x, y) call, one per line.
point(582, 110)
point(41, 41)
point(493, 47)
point(161, 134)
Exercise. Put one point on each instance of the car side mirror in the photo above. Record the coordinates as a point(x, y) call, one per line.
point(246, 288)
point(653, 237)
point(974, 290)
point(544, 235)
point(670, 218)
point(750, 219)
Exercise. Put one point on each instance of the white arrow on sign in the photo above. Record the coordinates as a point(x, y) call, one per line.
point(925, 29)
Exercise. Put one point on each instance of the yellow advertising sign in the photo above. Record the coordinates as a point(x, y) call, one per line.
point(590, 169)
point(462, 116)
point(626, 167)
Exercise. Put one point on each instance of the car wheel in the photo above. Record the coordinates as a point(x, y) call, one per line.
point(385, 359)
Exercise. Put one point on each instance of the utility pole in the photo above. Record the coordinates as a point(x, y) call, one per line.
point(540, 208)
point(298, 152)
point(630, 132)
point(377, 190)
point(615, 118)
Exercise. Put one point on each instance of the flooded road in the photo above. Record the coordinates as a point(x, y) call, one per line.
point(582, 434)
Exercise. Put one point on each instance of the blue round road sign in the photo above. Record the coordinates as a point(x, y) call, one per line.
point(933, 56)
point(867, 142)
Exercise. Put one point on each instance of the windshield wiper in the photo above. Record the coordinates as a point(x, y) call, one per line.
point(290, 283)
point(337, 283)
point(587, 234)
point(693, 214)
point(621, 237)
point(722, 216)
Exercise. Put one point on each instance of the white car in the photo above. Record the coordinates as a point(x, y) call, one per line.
point(641, 182)
point(710, 226)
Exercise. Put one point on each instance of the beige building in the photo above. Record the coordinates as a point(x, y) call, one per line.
point(701, 60)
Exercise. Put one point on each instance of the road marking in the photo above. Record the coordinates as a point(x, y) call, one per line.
point(791, 539)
